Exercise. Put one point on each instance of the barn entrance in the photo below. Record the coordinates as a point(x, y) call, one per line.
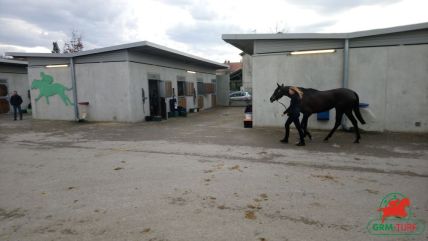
point(154, 98)
point(4, 102)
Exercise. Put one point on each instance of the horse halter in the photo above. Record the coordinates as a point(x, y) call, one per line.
point(279, 92)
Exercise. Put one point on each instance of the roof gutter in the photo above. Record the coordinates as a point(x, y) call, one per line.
point(74, 88)
point(345, 80)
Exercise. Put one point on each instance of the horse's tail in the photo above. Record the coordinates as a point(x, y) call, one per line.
point(357, 110)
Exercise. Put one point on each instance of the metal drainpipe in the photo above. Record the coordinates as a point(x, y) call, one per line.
point(345, 81)
point(74, 86)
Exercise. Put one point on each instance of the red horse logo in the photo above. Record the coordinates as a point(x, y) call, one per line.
point(395, 208)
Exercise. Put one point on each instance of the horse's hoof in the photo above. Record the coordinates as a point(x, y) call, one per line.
point(357, 141)
point(284, 141)
point(300, 144)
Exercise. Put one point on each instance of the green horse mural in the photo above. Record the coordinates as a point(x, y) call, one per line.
point(47, 89)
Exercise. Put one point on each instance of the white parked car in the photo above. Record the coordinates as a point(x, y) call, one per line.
point(240, 95)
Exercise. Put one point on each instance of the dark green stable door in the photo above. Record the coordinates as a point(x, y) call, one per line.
point(4, 103)
point(154, 98)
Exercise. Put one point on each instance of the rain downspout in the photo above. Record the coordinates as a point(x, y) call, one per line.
point(74, 87)
point(345, 80)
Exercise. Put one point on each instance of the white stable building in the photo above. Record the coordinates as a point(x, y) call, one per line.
point(13, 77)
point(120, 83)
point(388, 68)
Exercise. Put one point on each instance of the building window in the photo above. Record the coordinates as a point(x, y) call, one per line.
point(181, 85)
point(201, 89)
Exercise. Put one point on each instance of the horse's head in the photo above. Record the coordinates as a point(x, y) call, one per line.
point(279, 92)
point(36, 84)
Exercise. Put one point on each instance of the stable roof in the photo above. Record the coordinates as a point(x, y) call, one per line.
point(143, 46)
point(246, 42)
point(13, 62)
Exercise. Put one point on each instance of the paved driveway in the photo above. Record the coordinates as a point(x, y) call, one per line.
point(203, 177)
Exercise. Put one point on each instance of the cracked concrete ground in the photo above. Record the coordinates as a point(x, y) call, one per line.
point(203, 177)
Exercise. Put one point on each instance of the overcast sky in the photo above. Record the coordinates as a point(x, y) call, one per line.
point(189, 25)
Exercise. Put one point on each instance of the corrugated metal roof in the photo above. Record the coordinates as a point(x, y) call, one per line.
point(143, 45)
point(350, 35)
point(12, 61)
point(245, 42)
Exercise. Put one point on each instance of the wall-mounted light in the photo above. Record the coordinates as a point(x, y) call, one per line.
point(321, 51)
point(56, 66)
point(191, 72)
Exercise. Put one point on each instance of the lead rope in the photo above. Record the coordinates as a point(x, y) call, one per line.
point(282, 105)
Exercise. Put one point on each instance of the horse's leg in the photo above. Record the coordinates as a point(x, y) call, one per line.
point(305, 126)
point(64, 98)
point(69, 101)
point(355, 123)
point(287, 130)
point(38, 98)
point(339, 115)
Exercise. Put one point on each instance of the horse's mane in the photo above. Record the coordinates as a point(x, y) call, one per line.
point(308, 90)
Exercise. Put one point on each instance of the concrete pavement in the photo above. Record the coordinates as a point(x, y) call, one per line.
point(203, 177)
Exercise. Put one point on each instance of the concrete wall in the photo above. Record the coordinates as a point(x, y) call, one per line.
point(336, 41)
point(247, 73)
point(139, 79)
point(392, 80)
point(311, 71)
point(223, 87)
point(113, 90)
point(56, 109)
point(106, 87)
point(16, 79)
point(112, 56)
point(42, 62)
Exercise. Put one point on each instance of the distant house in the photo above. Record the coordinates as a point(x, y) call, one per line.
point(13, 76)
point(235, 70)
point(120, 83)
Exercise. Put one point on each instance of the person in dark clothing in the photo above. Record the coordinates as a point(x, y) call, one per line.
point(293, 112)
point(16, 102)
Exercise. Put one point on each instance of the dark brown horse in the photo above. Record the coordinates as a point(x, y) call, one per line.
point(343, 100)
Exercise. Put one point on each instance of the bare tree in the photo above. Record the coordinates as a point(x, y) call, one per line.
point(55, 48)
point(75, 44)
point(280, 27)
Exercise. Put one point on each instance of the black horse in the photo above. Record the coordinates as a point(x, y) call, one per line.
point(343, 100)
